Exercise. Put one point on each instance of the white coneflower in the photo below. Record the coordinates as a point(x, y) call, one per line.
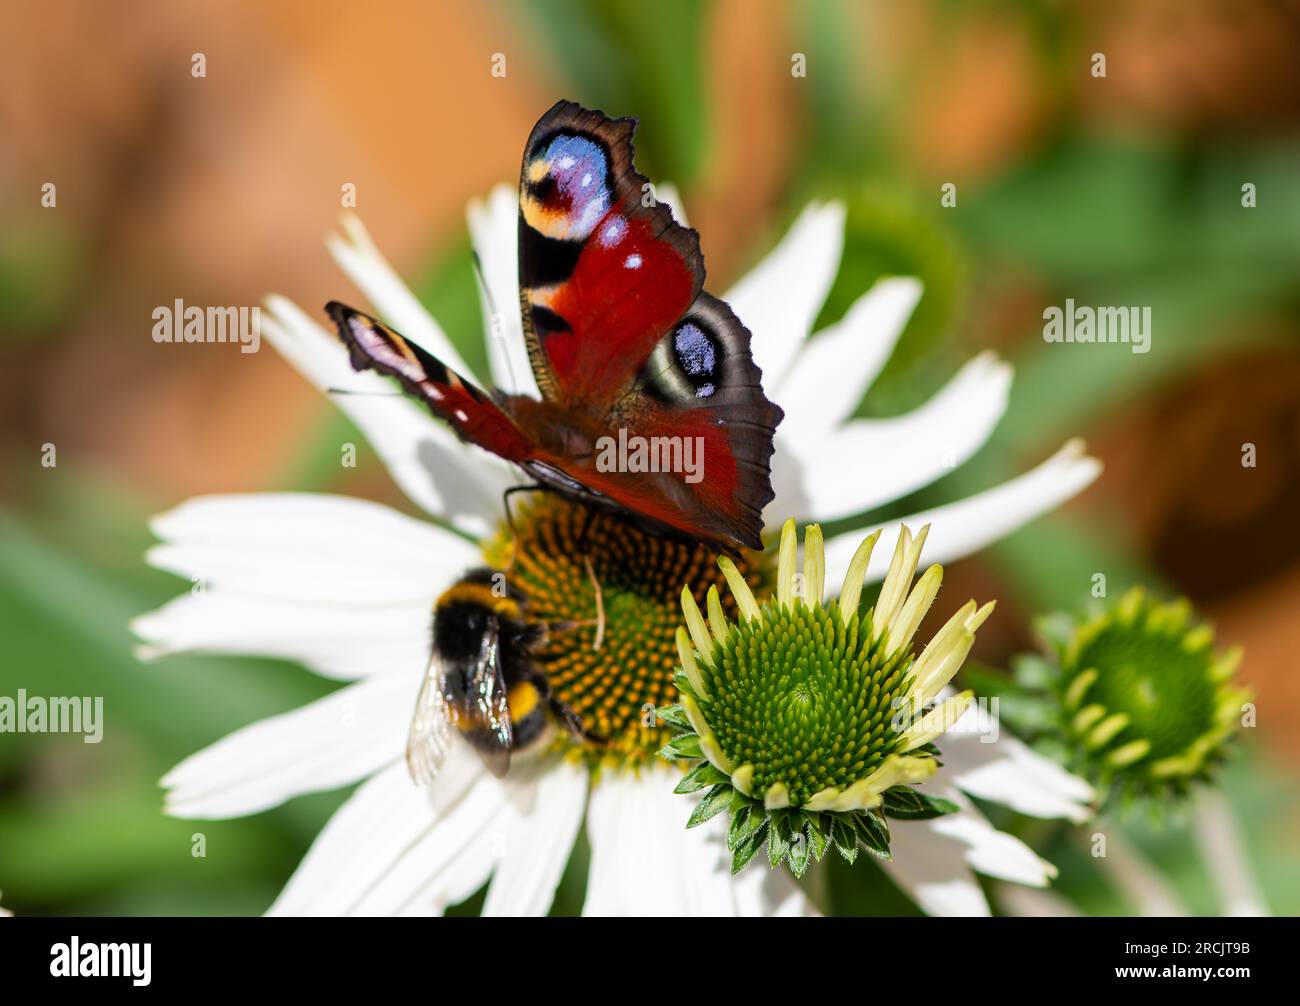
point(346, 586)
point(813, 721)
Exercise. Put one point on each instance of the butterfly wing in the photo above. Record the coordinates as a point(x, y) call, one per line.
point(604, 270)
point(620, 332)
point(473, 414)
point(701, 385)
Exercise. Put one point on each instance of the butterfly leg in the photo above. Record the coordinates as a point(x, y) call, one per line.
point(510, 517)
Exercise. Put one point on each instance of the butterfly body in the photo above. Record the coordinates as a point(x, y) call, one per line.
point(624, 343)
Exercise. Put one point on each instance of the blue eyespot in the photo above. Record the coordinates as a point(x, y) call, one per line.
point(695, 350)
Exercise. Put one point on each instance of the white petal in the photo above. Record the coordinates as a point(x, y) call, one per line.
point(447, 864)
point(761, 892)
point(836, 366)
point(339, 642)
point(644, 860)
point(871, 461)
point(779, 299)
point(449, 479)
point(987, 850)
point(933, 859)
point(1031, 902)
point(985, 761)
point(494, 231)
point(309, 547)
point(323, 745)
point(970, 524)
point(932, 870)
point(384, 821)
point(543, 813)
point(358, 256)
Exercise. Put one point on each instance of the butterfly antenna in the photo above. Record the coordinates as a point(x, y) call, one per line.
point(494, 319)
point(371, 394)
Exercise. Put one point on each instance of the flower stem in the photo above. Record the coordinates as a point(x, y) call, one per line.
point(1219, 837)
point(1134, 876)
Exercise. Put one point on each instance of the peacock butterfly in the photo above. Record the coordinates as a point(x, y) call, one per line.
point(626, 347)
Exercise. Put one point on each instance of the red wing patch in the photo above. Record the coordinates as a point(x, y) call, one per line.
point(604, 270)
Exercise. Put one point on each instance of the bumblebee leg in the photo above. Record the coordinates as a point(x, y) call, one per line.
point(565, 713)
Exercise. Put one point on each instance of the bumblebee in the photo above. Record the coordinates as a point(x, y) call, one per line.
point(482, 679)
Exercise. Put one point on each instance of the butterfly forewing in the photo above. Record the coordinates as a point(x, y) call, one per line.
point(604, 269)
point(472, 413)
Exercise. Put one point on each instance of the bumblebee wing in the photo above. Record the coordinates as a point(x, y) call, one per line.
point(430, 736)
point(488, 711)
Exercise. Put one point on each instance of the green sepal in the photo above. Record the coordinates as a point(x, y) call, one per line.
point(844, 837)
point(907, 804)
point(1055, 630)
point(818, 837)
point(780, 835)
point(749, 846)
point(800, 848)
point(682, 746)
point(714, 803)
point(986, 681)
point(872, 833)
point(674, 716)
point(744, 823)
point(703, 774)
point(683, 685)
point(1033, 672)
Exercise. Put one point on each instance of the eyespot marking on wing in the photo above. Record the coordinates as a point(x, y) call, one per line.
point(568, 191)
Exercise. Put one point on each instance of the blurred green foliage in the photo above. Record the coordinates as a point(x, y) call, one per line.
point(1105, 219)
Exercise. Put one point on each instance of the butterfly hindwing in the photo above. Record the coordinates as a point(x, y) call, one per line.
point(701, 381)
point(604, 269)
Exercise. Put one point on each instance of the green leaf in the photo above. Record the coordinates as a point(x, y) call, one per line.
point(907, 804)
point(700, 776)
point(713, 804)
